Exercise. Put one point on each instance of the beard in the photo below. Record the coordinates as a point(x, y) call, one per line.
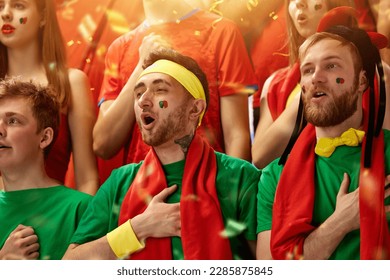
point(333, 112)
point(167, 129)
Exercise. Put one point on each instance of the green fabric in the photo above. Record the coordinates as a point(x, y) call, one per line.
point(329, 174)
point(53, 212)
point(236, 188)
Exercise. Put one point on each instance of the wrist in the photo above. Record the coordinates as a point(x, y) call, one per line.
point(123, 240)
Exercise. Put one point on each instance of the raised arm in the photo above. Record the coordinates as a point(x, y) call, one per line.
point(271, 136)
point(81, 119)
point(235, 125)
point(116, 118)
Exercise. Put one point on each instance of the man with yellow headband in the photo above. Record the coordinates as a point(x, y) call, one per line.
point(208, 214)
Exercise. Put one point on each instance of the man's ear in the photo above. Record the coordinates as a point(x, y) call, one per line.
point(363, 81)
point(47, 137)
point(43, 19)
point(198, 107)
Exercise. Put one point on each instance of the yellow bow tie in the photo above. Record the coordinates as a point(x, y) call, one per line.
point(326, 146)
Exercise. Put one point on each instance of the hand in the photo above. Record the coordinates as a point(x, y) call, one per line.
point(22, 243)
point(347, 206)
point(160, 219)
point(150, 43)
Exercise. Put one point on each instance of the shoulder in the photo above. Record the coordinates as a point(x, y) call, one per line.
point(72, 195)
point(77, 76)
point(124, 39)
point(230, 164)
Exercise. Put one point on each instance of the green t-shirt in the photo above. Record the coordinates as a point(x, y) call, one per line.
point(329, 175)
point(236, 185)
point(53, 212)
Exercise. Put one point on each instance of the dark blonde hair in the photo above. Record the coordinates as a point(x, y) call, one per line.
point(294, 39)
point(43, 100)
point(53, 52)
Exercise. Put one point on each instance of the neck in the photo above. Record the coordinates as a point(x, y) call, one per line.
point(15, 179)
point(355, 121)
point(175, 150)
point(159, 12)
point(25, 62)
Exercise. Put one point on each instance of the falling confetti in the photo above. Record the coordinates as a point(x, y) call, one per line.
point(52, 66)
point(233, 228)
point(117, 22)
point(87, 27)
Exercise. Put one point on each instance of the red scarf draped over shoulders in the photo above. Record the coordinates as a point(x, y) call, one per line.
point(200, 213)
point(294, 201)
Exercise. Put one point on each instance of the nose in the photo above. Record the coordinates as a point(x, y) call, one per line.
point(3, 131)
point(145, 100)
point(318, 76)
point(6, 14)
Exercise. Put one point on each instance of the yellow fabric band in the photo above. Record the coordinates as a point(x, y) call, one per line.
point(123, 240)
point(181, 74)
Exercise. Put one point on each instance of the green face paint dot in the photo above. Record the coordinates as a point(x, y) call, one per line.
point(318, 7)
point(340, 80)
point(161, 104)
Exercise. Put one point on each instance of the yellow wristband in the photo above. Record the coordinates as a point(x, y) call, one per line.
point(123, 240)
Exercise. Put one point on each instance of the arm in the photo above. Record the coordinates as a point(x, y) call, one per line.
point(386, 70)
point(322, 242)
point(21, 244)
point(81, 118)
point(158, 220)
point(116, 118)
point(380, 10)
point(265, 148)
point(235, 125)
point(263, 250)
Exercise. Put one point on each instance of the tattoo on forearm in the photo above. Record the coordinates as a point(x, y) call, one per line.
point(184, 142)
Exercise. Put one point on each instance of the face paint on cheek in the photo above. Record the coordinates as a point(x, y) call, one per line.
point(340, 80)
point(23, 20)
point(163, 104)
point(318, 7)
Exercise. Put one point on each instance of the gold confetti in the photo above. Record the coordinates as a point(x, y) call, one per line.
point(197, 33)
point(273, 15)
point(70, 43)
point(118, 22)
point(87, 27)
point(112, 71)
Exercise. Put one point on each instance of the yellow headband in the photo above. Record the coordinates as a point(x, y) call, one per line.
point(181, 74)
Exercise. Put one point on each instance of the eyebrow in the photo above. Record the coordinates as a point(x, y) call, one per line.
point(155, 82)
point(331, 57)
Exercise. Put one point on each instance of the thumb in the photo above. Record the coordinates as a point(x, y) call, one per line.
point(344, 185)
point(165, 193)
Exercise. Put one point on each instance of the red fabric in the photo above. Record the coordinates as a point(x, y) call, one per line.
point(217, 46)
point(269, 51)
point(365, 18)
point(58, 159)
point(292, 212)
point(283, 83)
point(201, 217)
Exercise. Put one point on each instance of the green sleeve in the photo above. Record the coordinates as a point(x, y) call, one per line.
point(266, 194)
